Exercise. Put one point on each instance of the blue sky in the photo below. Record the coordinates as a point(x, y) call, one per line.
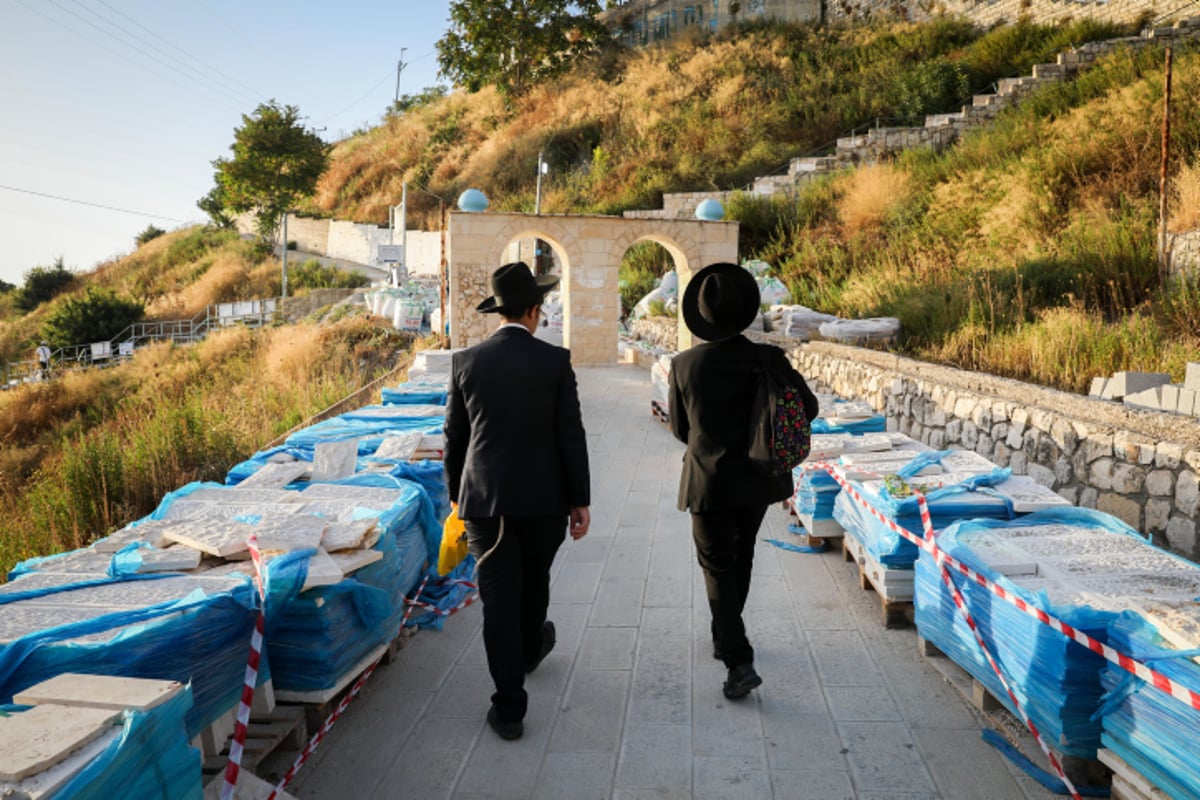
point(125, 103)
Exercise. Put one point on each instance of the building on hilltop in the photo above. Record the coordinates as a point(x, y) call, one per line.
point(641, 22)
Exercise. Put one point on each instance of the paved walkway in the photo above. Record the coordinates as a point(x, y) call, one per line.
point(629, 704)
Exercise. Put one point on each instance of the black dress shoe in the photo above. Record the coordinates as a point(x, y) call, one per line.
point(549, 637)
point(740, 681)
point(508, 730)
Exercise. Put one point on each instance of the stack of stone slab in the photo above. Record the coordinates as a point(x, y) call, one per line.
point(1096, 574)
point(99, 735)
point(1152, 390)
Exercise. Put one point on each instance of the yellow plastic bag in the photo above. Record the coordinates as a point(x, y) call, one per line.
point(454, 543)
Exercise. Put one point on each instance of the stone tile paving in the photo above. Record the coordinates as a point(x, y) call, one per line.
point(629, 705)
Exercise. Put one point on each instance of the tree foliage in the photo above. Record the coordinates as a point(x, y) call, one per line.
point(99, 315)
point(213, 204)
point(42, 284)
point(515, 43)
point(151, 233)
point(275, 161)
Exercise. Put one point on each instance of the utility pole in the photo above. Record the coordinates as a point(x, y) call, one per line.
point(1164, 260)
point(285, 257)
point(400, 65)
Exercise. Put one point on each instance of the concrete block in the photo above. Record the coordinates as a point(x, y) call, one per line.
point(1187, 402)
point(1192, 377)
point(1168, 398)
point(1098, 386)
point(1147, 398)
point(1124, 384)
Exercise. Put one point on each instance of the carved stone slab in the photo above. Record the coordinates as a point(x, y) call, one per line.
point(322, 571)
point(401, 411)
point(334, 460)
point(400, 447)
point(35, 740)
point(352, 535)
point(150, 531)
point(241, 494)
point(1028, 495)
point(218, 537)
point(368, 496)
point(294, 532)
point(171, 559)
point(189, 509)
point(350, 560)
point(276, 475)
point(966, 461)
point(99, 691)
point(76, 561)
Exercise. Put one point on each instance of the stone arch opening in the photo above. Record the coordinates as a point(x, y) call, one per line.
point(589, 250)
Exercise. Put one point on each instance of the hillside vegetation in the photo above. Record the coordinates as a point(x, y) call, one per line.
point(93, 450)
point(1027, 250)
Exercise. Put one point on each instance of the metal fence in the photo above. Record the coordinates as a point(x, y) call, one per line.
point(247, 313)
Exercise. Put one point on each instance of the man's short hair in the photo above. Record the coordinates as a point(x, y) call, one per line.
point(517, 313)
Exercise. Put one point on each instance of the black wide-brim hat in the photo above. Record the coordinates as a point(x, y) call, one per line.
point(720, 301)
point(514, 288)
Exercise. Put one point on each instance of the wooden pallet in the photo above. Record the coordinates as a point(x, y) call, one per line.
point(1081, 771)
point(1128, 783)
point(320, 703)
point(286, 727)
point(894, 586)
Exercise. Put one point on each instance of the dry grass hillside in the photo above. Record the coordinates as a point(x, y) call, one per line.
point(92, 450)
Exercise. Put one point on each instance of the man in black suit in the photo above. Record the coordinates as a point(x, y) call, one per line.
point(517, 468)
point(712, 388)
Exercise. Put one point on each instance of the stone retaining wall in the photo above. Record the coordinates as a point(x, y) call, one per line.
point(1140, 466)
point(1185, 253)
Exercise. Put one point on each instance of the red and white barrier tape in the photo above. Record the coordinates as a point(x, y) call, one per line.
point(416, 603)
point(945, 562)
point(319, 736)
point(249, 681)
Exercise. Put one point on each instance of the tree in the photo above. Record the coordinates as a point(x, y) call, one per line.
point(151, 233)
point(514, 43)
point(213, 204)
point(275, 161)
point(99, 315)
point(42, 284)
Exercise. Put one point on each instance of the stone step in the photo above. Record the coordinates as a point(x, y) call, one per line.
point(942, 120)
point(1049, 71)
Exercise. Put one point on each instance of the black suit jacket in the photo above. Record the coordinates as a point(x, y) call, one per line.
point(515, 443)
point(711, 390)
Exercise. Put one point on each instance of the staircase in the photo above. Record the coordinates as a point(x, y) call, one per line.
point(939, 130)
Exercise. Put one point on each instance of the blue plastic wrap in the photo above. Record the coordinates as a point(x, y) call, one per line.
point(393, 413)
point(1153, 732)
point(969, 499)
point(369, 432)
point(873, 424)
point(150, 759)
point(202, 638)
point(1056, 680)
point(445, 592)
point(414, 394)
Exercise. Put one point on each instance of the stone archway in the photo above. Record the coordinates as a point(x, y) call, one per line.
point(590, 249)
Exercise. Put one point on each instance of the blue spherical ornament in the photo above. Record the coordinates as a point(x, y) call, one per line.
point(710, 210)
point(472, 200)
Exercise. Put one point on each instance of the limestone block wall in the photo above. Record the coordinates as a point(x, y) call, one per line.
point(990, 12)
point(355, 241)
point(310, 235)
point(1140, 466)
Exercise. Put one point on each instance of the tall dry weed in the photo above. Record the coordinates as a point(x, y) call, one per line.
point(870, 193)
point(1184, 209)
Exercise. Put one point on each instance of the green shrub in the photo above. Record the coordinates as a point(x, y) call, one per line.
point(99, 315)
point(311, 274)
point(641, 269)
point(43, 284)
point(150, 233)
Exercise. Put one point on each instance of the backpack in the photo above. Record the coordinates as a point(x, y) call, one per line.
point(780, 431)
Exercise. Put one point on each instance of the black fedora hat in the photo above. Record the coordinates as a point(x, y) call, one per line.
point(720, 301)
point(515, 288)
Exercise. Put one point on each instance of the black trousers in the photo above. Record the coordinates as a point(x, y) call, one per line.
point(514, 584)
point(725, 549)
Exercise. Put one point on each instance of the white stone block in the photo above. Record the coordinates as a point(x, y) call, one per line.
point(334, 460)
point(1168, 398)
point(1187, 402)
point(1124, 384)
point(1192, 378)
point(1098, 386)
point(37, 739)
point(99, 691)
point(1147, 398)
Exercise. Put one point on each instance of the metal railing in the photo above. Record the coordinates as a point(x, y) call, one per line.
point(248, 313)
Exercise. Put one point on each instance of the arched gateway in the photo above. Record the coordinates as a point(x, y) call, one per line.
point(590, 249)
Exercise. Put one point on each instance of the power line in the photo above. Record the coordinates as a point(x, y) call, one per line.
point(108, 34)
point(365, 94)
point(232, 82)
point(87, 203)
